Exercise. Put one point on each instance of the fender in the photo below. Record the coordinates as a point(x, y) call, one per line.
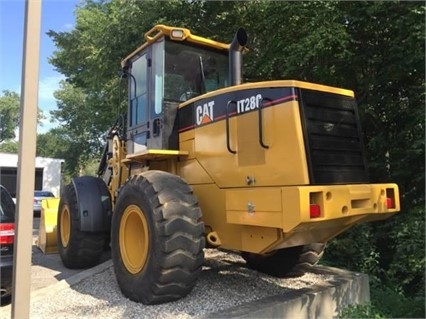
point(94, 204)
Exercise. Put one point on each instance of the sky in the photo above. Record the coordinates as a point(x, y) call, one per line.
point(57, 15)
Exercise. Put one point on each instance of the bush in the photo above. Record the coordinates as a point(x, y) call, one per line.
point(387, 302)
point(361, 311)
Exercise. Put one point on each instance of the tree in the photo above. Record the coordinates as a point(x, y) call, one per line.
point(58, 143)
point(388, 68)
point(9, 146)
point(82, 124)
point(9, 115)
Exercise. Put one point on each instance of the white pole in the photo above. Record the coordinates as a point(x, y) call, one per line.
point(21, 288)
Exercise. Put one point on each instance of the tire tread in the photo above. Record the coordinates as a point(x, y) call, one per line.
point(287, 262)
point(179, 233)
point(84, 249)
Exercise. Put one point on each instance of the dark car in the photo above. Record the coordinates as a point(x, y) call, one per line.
point(38, 197)
point(7, 238)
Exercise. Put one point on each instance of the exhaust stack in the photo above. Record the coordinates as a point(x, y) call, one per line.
point(236, 48)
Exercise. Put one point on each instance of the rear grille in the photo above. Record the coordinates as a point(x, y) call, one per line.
point(334, 146)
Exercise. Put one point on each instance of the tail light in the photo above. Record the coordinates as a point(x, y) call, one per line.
point(315, 210)
point(389, 203)
point(315, 200)
point(390, 198)
point(7, 233)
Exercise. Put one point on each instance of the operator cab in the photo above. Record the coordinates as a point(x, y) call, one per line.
point(171, 67)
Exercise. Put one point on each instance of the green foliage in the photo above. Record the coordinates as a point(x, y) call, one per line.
point(302, 41)
point(9, 146)
point(407, 266)
point(394, 303)
point(388, 68)
point(90, 168)
point(396, 274)
point(387, 302)
point(362, 311)
point(57, 143)
point(82, 127)
point(9, 115)
point(359, 243)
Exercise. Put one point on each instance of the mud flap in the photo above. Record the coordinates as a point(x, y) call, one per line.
point(94, 204)
point(47, 228)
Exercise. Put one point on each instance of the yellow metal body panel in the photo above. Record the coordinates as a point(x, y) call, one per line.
point(339, 201)
point(256, 239)
point(185, 136)
point(193, 172)
point(263, 219)
point(285, 159)
point(47, 228)
point(212, 203)
point(190, 169)
point(265, 211)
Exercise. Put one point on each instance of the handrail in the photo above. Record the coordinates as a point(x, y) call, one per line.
point(260, 124)
point(228, 144)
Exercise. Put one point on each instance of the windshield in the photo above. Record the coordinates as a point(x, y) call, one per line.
point(191, 71)
point(7, 207)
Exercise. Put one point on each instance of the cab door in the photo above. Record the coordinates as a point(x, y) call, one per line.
point(139, 103)
point(151, 118)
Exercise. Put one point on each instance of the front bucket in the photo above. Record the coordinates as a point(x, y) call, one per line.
point(47, 230)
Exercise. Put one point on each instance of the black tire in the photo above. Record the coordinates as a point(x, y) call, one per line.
point(77, 249)
point(286, 262)
point(157, 238)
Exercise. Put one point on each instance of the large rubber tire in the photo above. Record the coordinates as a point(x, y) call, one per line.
point(77, 249)
point(157, 238)
point(286, 262)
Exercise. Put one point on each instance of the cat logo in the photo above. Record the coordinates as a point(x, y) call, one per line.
point(204, 113)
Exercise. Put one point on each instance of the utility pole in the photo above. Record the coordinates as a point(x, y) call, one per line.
point(21, 288)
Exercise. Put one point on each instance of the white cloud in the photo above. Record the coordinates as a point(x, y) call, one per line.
point(67, 27)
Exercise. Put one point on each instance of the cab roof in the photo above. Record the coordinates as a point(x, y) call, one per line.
point(175, 34)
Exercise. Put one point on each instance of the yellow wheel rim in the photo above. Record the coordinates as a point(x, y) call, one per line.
point(65, 226)
point(133, 239)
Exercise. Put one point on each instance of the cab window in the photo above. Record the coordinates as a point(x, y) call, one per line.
point(191, 71)
point(139, 91)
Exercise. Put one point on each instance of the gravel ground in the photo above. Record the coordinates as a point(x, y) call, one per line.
point(225, 282)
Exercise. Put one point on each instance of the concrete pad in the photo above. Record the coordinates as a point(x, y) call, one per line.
point(319, 301)
point(226, 289)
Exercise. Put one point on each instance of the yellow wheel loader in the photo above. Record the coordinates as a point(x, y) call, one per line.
point(269, 169)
